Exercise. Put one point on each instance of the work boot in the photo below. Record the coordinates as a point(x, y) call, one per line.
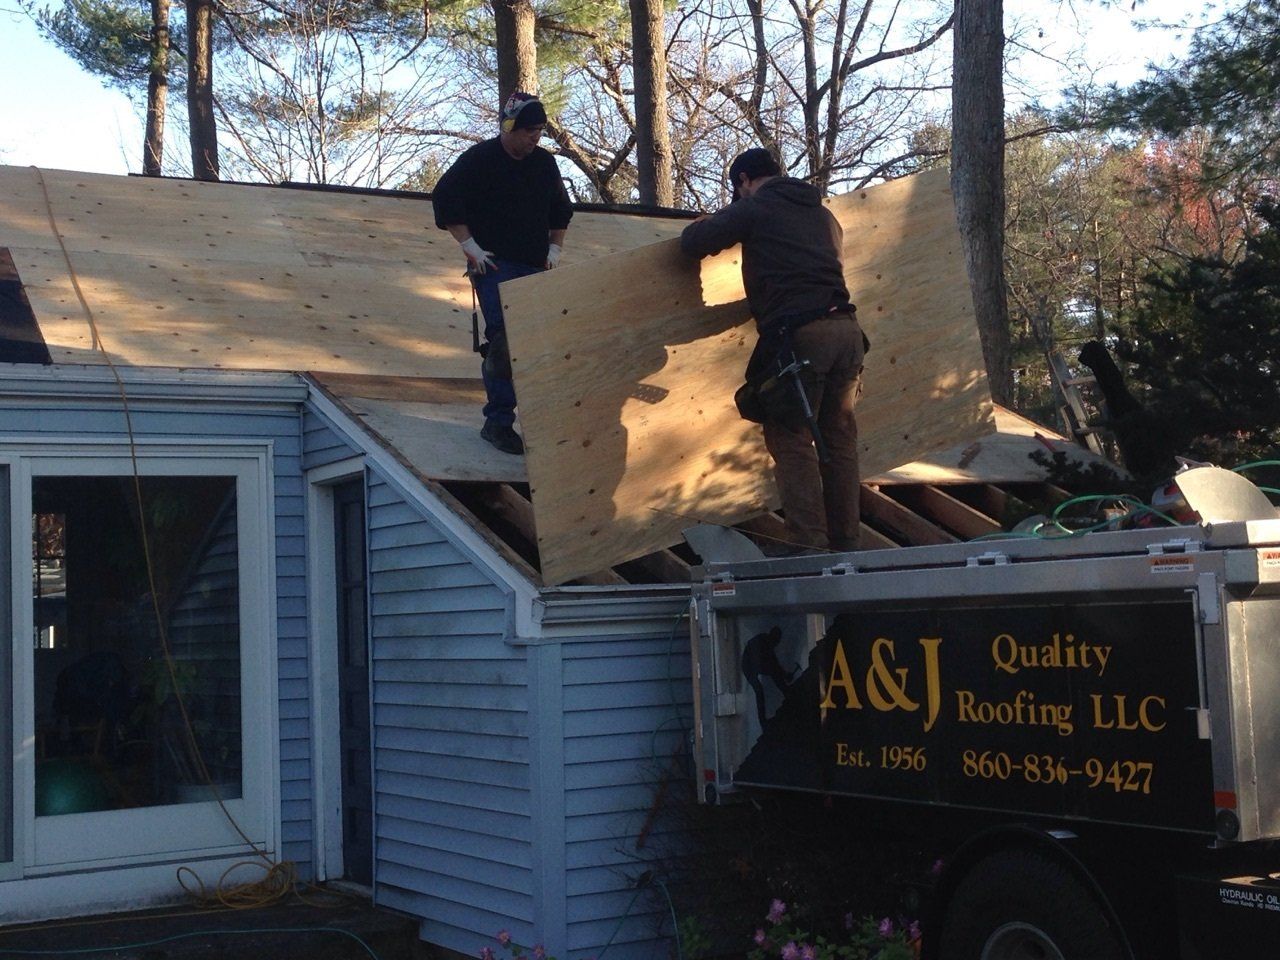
point(503, 437)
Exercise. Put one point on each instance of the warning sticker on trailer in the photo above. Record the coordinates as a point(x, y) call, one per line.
point(723, 589)
point(1180, 563)
point(1270, 558)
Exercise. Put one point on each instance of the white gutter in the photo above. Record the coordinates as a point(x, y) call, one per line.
point(20, 381)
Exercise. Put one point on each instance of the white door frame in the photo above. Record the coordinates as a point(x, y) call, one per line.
point(16, 696)
point(322, 614)
point(110, 838)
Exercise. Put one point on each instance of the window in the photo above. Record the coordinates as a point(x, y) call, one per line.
point(137, 660)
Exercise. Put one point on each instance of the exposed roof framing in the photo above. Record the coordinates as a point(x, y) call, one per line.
point(893, 516)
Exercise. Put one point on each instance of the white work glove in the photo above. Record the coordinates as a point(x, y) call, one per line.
point(553, 256)
point(479, 259)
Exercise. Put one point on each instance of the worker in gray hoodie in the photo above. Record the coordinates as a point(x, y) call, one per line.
point(794, 279)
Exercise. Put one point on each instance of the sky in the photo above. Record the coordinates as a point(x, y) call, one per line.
point(55, 115)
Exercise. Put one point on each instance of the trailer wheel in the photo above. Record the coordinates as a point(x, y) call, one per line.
point(1021, 905)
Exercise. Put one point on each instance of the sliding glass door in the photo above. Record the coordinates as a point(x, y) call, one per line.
point(147, 669)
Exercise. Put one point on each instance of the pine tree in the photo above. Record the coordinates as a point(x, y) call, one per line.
point(977, 175)
point(126, 43)
point(1229, 85)
point(1204, 345)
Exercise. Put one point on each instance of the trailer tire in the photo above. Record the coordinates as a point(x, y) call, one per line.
point(1023, 905)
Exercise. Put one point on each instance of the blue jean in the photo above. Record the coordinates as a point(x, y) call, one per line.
point(496, 367)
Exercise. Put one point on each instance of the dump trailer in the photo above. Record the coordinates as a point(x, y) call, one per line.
point(1087, 728)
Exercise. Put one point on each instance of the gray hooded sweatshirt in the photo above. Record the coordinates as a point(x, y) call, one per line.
point(790, 249)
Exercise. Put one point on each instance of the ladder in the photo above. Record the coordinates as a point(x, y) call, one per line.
point(1075, 417)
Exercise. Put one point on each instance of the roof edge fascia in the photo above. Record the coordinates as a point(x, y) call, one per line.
point(524, 592)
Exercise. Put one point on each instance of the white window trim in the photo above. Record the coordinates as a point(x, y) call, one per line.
point(17, 705)
point(260, 806)
point(322, 615)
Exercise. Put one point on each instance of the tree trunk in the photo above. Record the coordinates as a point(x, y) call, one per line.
point(204, 128)
point(513, 22)
point(653, 135)
point(977, 175)
point(157, 89)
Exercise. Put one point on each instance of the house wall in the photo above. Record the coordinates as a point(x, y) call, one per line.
point(627, 711)
point(517, 778)
point(453, 820)
point(514, 775)
point(274, 423)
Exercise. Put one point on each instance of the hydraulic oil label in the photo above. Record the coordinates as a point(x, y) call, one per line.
point(1069, 710)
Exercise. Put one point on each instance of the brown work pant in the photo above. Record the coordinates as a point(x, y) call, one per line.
point(821, 500)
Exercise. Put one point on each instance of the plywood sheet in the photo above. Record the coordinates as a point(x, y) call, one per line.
point(626, 366)
point(439, 441)
point(433, 425)
point(187, 274)
point(1000, 457)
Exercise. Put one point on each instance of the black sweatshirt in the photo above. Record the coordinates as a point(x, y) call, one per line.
point(790, 249)
point(509, 205)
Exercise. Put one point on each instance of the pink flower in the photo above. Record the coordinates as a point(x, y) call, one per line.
point(886, 927)
point(760, 938)
point(486, 953)
point(936, 868)
point(790, 951)
point(777, 910)
point(913, 931)
point(808, 952)
point(504, 937)
point(539, 952)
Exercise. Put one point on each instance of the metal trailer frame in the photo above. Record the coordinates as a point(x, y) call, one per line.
point(1230, 572)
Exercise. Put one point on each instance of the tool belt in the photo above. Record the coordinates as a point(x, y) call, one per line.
point(767, 397)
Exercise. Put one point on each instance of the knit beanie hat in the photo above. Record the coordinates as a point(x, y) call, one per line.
point(521, 111)
point(756, 162)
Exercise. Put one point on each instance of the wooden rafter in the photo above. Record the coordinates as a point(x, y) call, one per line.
point(948, 511)
point(900, 520)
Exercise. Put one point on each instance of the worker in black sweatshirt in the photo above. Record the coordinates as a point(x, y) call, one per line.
point(794, 279)
point(504, 202)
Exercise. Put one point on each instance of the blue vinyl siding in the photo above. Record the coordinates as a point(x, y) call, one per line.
point(249, 423)
point(454, 835)
point(627, 703)
point(321, 444)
